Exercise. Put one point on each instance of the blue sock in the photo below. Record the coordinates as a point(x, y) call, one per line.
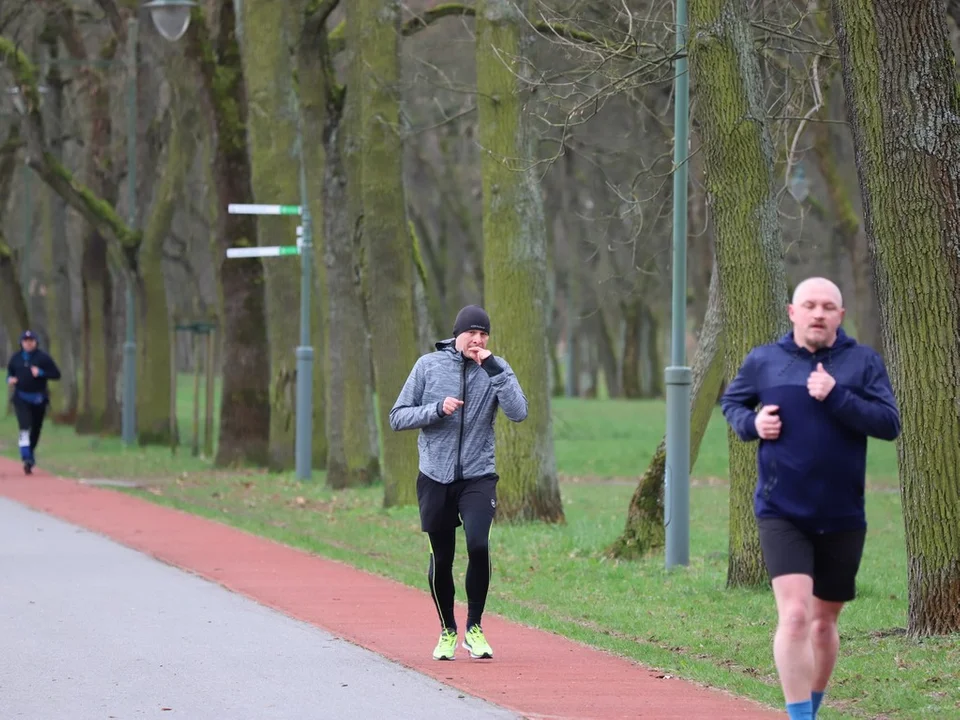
point(800, 710)
point(816, 698)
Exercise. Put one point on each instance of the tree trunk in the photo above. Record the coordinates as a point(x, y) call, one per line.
point(153, 361)
point(630, 359)
point(739, 182)
point(245, 406)
point(95, 352)
point(902, 104)
point(352, 455)
point(265, 40)
point(13, 307)
point(644, 529)
point(651, 368)
point(99, 409)
point(64, 395)
point(271, 146)
point(515, 263)
point(848, 234)
point(607, 352)
point(387, 243)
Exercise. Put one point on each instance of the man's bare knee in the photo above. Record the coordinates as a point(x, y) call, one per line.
point(795, 620)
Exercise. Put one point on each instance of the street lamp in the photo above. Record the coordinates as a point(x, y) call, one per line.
point(171, 18)
point(678, 377)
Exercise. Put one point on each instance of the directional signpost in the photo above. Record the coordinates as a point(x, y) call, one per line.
point(303, 248)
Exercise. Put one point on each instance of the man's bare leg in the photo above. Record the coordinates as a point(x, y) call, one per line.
point(825, 637)
point(792, 646)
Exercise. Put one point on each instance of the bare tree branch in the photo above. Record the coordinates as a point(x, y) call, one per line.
point(445, 10)
point(317, 13)
point(112, 12)
point(99, 213)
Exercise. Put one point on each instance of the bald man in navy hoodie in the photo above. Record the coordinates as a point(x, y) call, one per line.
point(812, 399)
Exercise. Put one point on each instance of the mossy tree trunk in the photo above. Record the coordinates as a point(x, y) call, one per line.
point(99, 410)
point(515, 262)
point(644, 529)
point(64, 395)
point(264, 31)
point(351, 448)
point(155, 337)
point(13, 307)
point(902, 104)
point(386, 238)
point(749, 250)
point(245, 405)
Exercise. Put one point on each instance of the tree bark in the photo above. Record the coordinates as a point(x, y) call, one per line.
point(245, 406)
point(99, 408)
point(749, 250)
point(514, 262)
point(387, 243)
point(848, 234)
point(153, 356)
point(13, 307)
point(902, 105)
point(352, 455)
point(64, 395)
point(644, 530)
point(264, 30)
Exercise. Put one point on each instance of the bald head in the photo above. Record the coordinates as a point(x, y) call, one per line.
point(816, 313)
point(817, 286)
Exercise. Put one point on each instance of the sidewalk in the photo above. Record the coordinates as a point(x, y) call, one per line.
point(535, 674)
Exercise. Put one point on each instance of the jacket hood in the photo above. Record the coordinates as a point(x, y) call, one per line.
point(842, 342)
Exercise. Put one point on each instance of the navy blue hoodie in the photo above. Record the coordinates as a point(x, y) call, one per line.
point(814, 472)
point(29, 388)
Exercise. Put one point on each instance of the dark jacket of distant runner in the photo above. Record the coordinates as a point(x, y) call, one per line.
point(29, 388)
point(461, 445)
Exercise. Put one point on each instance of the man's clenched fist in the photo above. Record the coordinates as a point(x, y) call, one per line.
point(768, 422)
point(450, 405)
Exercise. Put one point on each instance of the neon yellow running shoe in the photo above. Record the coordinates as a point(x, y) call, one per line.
point(477, 644)
point(447, 646)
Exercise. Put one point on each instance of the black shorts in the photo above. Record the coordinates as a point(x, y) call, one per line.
point(831, 559)
point(442, 507)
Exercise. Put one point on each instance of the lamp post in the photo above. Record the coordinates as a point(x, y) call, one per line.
point(171, 18)
point(304, 433)
point(678, 377)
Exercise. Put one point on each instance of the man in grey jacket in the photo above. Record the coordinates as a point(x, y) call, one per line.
point(452, 396)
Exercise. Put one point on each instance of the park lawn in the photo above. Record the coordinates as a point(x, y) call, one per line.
point(557, 577)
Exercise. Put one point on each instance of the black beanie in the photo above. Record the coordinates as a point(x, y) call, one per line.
point(472, 317)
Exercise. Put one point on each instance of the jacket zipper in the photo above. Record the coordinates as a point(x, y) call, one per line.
point(463, 397)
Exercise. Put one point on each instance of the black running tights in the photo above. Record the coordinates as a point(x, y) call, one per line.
point(440, 572)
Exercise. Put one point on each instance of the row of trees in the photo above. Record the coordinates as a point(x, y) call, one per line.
point(225, 112)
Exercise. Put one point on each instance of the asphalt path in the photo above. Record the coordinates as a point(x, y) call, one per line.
point(93, 630)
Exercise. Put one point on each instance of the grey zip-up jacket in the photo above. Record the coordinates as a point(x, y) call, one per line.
point(457, 446)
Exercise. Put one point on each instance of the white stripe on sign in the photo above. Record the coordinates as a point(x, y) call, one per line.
point(241, 209)
point(272, 251)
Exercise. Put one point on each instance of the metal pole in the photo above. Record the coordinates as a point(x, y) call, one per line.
point(129, 404)
point(304, 431)
point(678, 376)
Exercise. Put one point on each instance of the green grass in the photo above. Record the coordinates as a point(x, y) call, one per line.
point(557, 578)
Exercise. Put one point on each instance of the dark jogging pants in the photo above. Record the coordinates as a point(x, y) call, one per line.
point(30, 420)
